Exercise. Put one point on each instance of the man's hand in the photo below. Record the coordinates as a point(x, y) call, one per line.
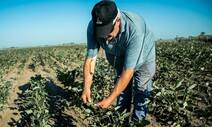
point(105, 103)
point(86, 95)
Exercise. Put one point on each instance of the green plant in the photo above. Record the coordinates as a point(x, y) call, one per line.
point(36, 104)
point(5, 89)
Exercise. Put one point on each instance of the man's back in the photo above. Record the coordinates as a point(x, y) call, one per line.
point(133, 46)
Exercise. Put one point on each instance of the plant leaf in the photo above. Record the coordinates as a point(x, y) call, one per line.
point(191, 87)
point(29, 111)
point(179, 83)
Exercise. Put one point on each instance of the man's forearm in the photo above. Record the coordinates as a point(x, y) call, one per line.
point(122, 83)
point(88, 72)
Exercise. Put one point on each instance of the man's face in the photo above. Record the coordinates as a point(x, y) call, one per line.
point(114, 32)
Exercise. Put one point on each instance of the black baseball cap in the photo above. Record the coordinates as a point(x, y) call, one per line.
point(103, 15)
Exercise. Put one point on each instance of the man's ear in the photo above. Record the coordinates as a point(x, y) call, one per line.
point(118, 21)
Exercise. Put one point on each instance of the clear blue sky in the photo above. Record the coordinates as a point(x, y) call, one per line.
point(49, 22)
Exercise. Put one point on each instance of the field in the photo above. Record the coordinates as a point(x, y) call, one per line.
point(42, 86)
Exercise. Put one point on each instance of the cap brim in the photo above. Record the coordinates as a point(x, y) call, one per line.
point(103, 31)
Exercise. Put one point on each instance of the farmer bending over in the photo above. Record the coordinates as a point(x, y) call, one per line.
point(130, 48)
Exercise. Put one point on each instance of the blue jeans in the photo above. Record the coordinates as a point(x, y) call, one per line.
point(142, 83)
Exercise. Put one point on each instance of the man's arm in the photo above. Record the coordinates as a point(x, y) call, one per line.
point(89, 66)
point(119, 87)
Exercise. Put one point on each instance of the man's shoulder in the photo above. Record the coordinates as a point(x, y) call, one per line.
point(133, 21)
point(130, 14)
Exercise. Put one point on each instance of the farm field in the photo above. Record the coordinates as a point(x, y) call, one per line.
point(42, 86)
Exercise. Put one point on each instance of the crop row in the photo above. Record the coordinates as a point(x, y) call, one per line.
point(34, 105)
point(11, 58)
point(5, 89)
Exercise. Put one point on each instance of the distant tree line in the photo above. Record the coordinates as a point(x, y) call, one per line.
point(200, 38)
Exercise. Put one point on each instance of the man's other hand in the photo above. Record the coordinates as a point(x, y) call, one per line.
point(86, 95)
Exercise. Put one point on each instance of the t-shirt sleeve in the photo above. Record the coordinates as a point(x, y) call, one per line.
point(92, 45)
point(134, 50)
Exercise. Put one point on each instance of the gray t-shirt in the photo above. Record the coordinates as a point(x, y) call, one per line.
point(133, 46)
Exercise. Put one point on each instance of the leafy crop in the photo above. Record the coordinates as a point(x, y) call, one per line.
point(182, 87)
point(11, 58)
point(5, 88)
point(100, 89)
point(35, 103)
point(181, 94)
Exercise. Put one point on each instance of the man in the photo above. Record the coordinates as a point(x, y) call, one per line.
point(130, 48)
